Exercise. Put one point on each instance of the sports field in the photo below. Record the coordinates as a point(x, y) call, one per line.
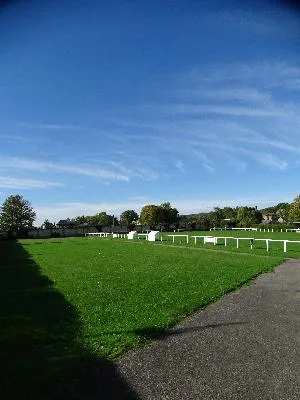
point(65, 302)
point(259, 246)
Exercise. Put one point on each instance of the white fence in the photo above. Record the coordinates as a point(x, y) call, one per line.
point(251, 240)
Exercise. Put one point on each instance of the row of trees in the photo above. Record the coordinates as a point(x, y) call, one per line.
point(151, 215)
point(17, 215)
point(228, 217)
point(248, 216)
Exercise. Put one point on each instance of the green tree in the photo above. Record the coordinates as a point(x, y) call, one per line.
point(166, 214)
point(103, 219)
point(47, 224)
point(282, 211)
point(150, 215)
point(128, 216)
point(76, 221)
point(294, 211)
point(201, 219)
point(65, 223)
point(163, 214)
point(16, 214)
point(247, 216)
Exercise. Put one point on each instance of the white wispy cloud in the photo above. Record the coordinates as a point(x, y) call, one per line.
point(265, 74)
point(244, 94)
point(45, 166)
point(229, 112)
point(16, 138)
point(241, 111)
point(49, 126)
point(18, 183)
point(179, 165)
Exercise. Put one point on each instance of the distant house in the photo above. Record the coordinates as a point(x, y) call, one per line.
point(271, 218)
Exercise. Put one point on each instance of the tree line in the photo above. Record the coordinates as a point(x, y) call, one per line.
point(151, 215)
point(17, 215)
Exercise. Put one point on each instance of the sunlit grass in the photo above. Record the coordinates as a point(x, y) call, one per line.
point(121, 288)
point(259, 246)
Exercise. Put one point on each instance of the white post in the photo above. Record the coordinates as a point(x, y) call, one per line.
point(187, 239)
point(161, 238)
point(237, 243)
point(267, 244)
point(281, 230)
point(173, 238)
point(195, 239)
point(225, 242)
point(284, 245)
point(272, 230)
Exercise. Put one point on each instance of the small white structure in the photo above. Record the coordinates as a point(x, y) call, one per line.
point(100, 234)
point(153, 235)
point(210, 239)
point(132, 235)
point(119, 235)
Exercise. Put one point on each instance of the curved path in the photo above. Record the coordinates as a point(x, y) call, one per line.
point(244, 346)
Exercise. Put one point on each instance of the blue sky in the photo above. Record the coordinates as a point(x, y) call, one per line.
point(107, 107)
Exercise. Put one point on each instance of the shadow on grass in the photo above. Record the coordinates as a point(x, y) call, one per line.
point(40, 351)
point(152, 333)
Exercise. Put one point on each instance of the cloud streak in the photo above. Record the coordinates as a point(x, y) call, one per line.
point(39, 166)
point(15, 183)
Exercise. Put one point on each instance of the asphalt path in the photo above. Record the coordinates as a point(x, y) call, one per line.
point(244, 346)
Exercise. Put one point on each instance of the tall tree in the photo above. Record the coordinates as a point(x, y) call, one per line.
point(294, 211)
point(164, 214)
point(282, 211)
point(47, 224)
point(128, 216)
point(16, 214)
point(150, 215)
point(246, 216)
point(103, 219)
point(167, 214)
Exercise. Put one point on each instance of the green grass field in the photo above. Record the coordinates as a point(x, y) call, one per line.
point(259, 247)
point(65, 303)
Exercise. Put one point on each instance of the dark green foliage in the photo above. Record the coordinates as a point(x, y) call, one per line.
point(247, 216)
point(127, 217)
point(163, 214)
point(48, 225)
point(294, 210)
point(16, 214)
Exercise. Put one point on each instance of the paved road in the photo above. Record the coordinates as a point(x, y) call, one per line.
point(245, 346)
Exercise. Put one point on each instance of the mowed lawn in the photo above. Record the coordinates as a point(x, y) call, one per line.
point(259, 246)
point(64, 302)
